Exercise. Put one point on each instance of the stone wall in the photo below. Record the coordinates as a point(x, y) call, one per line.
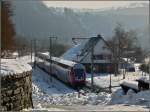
point(16, 91)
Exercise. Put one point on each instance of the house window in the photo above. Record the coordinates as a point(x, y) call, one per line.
point(98, 57)
point(109, 57)
point(102, 57)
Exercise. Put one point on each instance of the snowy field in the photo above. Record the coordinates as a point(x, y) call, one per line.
point(55, 96)
point(131, 98)
point(103, 80)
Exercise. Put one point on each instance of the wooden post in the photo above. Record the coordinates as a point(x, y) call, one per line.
point(109, 71)
point(127, 68)
point(123, 70)
point(110, 84)
point(78, 94)
point(92, 66)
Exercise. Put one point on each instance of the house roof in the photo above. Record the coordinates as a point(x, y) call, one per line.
point(83, 49)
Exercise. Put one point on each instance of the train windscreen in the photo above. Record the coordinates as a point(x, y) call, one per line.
point(79, 73)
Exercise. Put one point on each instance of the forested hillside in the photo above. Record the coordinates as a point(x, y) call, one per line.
point(35, 19)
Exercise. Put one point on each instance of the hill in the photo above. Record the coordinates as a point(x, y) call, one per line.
point(35, 19)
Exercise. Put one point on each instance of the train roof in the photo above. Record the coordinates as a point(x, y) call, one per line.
point(66, 62)
point(59, 60)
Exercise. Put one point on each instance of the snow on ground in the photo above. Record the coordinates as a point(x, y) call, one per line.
point(131, 98)
point(117, 107)
point(49, 95)
point(105, 108)
point(39, 107)
point(103, 80)
point(58, 94)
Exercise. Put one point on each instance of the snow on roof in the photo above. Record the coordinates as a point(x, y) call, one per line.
point(128, 60)
point(79, 49)
point(89, 43)
point(66, 62)
point(60, 60)
point(82, 49)
point(71, 54)
point(15, 53)
point(46, 53)
point(145, 79)
point(13, 66)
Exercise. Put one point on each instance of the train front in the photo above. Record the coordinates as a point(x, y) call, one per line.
point(79, 75)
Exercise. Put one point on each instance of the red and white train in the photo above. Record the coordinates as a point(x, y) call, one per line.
point(67, 71)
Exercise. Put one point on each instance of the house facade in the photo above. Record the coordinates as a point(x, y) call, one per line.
point(102, 55)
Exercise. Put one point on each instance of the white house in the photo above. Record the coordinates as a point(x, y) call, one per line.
point(101, 54)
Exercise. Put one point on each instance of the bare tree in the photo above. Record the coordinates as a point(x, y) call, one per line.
point(122, 44)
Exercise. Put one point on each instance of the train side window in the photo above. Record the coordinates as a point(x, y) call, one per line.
point(55, 62)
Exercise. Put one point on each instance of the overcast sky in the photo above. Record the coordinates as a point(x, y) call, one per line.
point(91, 4)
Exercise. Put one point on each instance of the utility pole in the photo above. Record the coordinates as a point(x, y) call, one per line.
point(111, 60)
point(34, 53)
point(50, 54)
point(149, 71)
point(149, 77)
point(31, 51)
point(92, 60)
